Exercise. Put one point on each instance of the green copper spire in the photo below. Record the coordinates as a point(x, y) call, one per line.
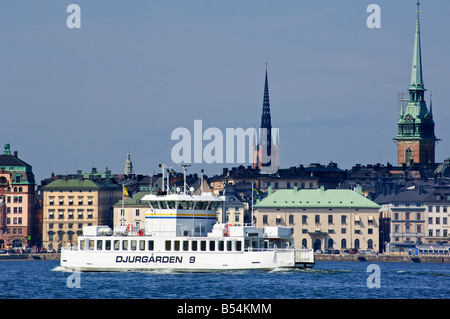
point(416, 73)
point(415, 138)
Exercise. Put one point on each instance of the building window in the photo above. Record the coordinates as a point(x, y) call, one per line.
point(137, 212)
point(278, 220)
point(291, 219)
point(343, 219)
point(408, 155)
point(264, 219)
point(330, 219)
point(304, 219)
point(317, 219)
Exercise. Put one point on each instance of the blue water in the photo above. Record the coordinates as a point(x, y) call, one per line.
point(344, 280)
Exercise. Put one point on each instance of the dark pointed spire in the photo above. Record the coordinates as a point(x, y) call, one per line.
point(265, 118)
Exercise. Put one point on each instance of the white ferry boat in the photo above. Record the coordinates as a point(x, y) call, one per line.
point(182, 234)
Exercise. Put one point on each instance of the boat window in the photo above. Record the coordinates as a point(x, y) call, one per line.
point(238, 245)
point(185, 245)
point(213, 206)
point(212, 245)
point(125, 245)
point(142, 245)
point(229, 246)
point(91, 245)
point(82, 245)
point(154, 204)
point(116, 244)
point(203, 205)
point(176, 245)
point(168, 245)
point(203, 245)
point(171, 204)
point(163, 204)
point(182, 205)
point(221, 245)
point(194, 245)
point(107, 245)
point(150, 245)
point(99, 244)
point(133, 244)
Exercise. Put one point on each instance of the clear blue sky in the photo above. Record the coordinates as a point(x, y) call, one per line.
point(136, 70)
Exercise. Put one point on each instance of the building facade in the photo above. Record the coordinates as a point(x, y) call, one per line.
point(131, 211)
point(323, 219)
point(437, 221)
point(17, 186)
point(235, 211)
point(71, 202)
point(415, 138)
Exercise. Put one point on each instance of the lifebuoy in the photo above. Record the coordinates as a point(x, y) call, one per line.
point(130, 227)
point(140, 233)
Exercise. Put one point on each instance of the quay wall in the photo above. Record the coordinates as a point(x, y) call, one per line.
point(383, 258)
point(55, 256)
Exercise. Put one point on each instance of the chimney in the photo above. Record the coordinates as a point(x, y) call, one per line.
point(15, 154)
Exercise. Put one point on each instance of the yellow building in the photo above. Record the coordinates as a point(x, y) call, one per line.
point(335, 219)
point(71, 203)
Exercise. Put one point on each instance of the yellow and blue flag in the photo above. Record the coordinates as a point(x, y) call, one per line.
point(127, 193)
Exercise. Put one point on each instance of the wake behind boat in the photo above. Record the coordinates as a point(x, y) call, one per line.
point(182, 234)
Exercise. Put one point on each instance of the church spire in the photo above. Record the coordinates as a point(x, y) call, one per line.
point(265, 118)
point(416, 72)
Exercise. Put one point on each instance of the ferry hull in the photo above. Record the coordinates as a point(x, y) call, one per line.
point(200, 262)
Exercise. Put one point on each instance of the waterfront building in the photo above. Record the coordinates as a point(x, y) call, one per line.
point(131, 211)
point(73, 201)
point(437, 221)
point(416, 139)
point(235, 210)
point(17, 220)
point(333, 219)
point(403, 215)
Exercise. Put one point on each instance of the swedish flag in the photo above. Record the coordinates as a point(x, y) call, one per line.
point(127, 193)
